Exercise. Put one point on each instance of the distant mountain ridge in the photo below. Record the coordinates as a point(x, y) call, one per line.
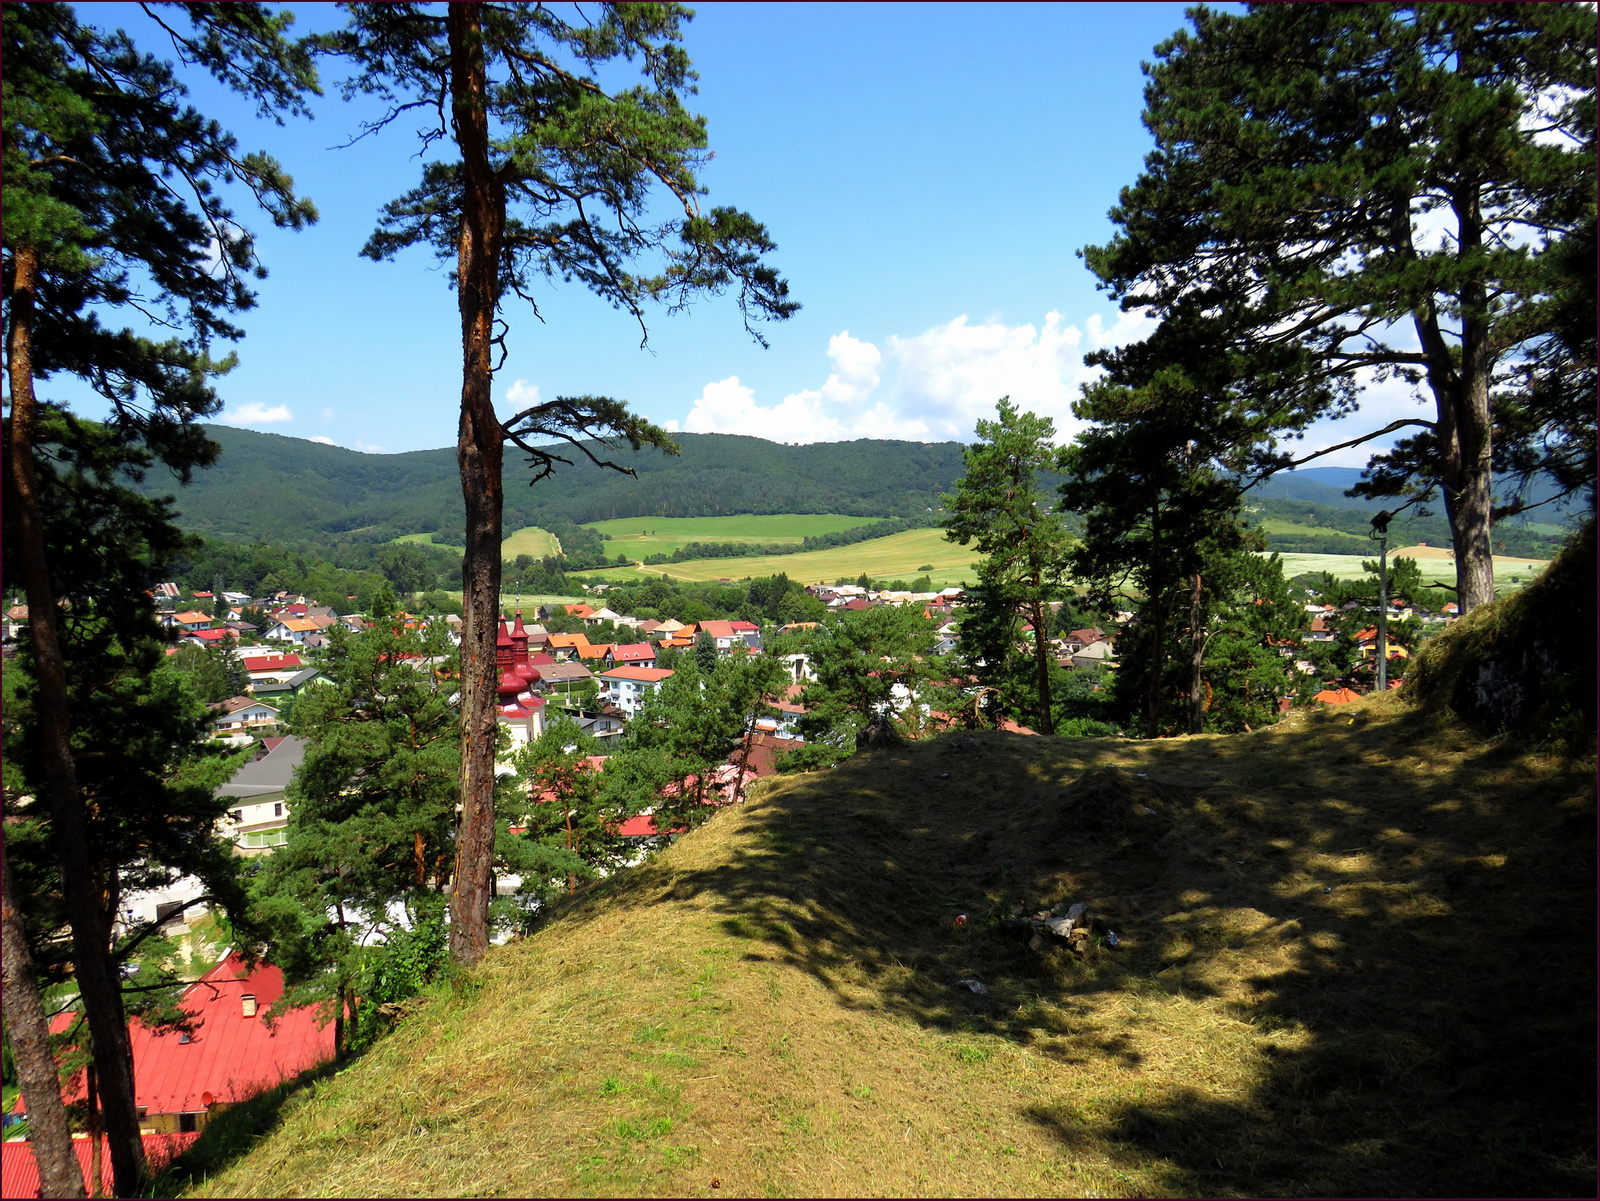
point(273, 486)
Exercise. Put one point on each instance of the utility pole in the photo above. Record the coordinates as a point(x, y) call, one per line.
point(1380, 531)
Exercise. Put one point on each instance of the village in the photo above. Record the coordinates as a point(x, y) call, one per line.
point(599, 685)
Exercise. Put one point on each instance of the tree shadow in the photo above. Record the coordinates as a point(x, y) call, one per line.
point(1399, 922)
point(234, 1132)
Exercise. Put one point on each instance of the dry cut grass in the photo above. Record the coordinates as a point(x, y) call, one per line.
point(1356, 958)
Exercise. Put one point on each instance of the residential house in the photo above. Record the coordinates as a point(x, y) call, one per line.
point(291, 629)
point(270, 668)
point(288, 686)
point(625, 687)
point(602, 614)
point(16, 622)
point(581, 611)
point(220, 636)
point(562, 675)
point(182, 1080)
point(259, 816)
point(187, 621)
point(1096, 654)
point(631, 654)
point(733, 635)
point(564, 648)
point(355, 623)
point(241, 713)
point(19, 1173)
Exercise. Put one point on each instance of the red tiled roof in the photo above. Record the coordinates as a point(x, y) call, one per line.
point(19, 1173)
point(232, 1057)
point(745, 627)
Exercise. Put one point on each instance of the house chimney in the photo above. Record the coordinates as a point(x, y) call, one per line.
point(249, 1001)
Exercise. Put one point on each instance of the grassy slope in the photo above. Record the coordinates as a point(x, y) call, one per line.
point(1357, 960)
point(639, 537)
point(897, 556)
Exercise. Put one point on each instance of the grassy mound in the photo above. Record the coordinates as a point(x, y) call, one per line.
point(1356, 958)
point(1524, 662)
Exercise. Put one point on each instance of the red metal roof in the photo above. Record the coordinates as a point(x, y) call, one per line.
point(19, 1173)
point(271, 662)
point(231, 1057)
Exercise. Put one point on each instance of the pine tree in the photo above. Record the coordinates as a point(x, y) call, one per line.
point(110, 177)
point(554, 176)
point(999, 505)
point(371, 809)
point(1345, 192)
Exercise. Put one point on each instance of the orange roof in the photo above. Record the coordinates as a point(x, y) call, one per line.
point(578, 642)
point(647, 675)
point(719, 629)
point(191, 618)
point(1336, 696)
point(579, 611)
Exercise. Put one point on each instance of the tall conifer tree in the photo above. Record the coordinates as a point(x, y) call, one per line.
point(553, 175)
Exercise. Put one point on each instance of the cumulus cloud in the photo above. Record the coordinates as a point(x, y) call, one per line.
point(522, 394)
point(258, 414)
point(931, 387)
point(324, 441)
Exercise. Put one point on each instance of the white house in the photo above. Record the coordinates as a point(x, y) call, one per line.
point(292, 629)
point(625, 687)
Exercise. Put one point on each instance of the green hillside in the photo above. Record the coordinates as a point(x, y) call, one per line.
point(271, 486)
point(1356, 958)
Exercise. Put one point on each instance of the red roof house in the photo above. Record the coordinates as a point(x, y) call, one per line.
point(19, 1172)
point(232, 1055)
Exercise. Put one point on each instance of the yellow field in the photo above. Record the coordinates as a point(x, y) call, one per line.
point(899, 556)
point(529, 540)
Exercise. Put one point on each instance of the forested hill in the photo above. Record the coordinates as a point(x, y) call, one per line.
point(270, 486)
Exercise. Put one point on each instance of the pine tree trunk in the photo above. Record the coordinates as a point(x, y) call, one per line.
point(1041, 658)
point(1197, 653)
point(1469, 487)
point(28, 1031)
point(479, 451)
point(96, 978)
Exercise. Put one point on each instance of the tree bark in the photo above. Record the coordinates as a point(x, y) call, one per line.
point(97, 981)
point(1041, 657)
point(1197, 654)
point(479, 451)
point(28, 1030)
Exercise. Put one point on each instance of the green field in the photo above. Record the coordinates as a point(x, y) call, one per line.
point(1279, 525)
point(641, 537)
point(1348, 567)
point(529, 540)
point(899, 556)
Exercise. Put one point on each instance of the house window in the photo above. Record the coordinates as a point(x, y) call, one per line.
point(184, 1039)
point(186, 1123)
point(236, 816)
point(277, 809)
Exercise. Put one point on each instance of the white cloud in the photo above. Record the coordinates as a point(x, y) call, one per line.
point(523, 394)
point(370, 448)
point(324, 441)
point(258, 414)
point(931, 387)
point(326, 415)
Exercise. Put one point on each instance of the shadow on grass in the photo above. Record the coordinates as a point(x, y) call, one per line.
point(1402, 915)
point(232, 1133)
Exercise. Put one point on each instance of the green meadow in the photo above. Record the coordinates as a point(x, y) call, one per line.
point(641, 537)
point(529, 540)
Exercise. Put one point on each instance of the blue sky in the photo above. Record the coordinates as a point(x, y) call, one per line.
point(928, 173)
